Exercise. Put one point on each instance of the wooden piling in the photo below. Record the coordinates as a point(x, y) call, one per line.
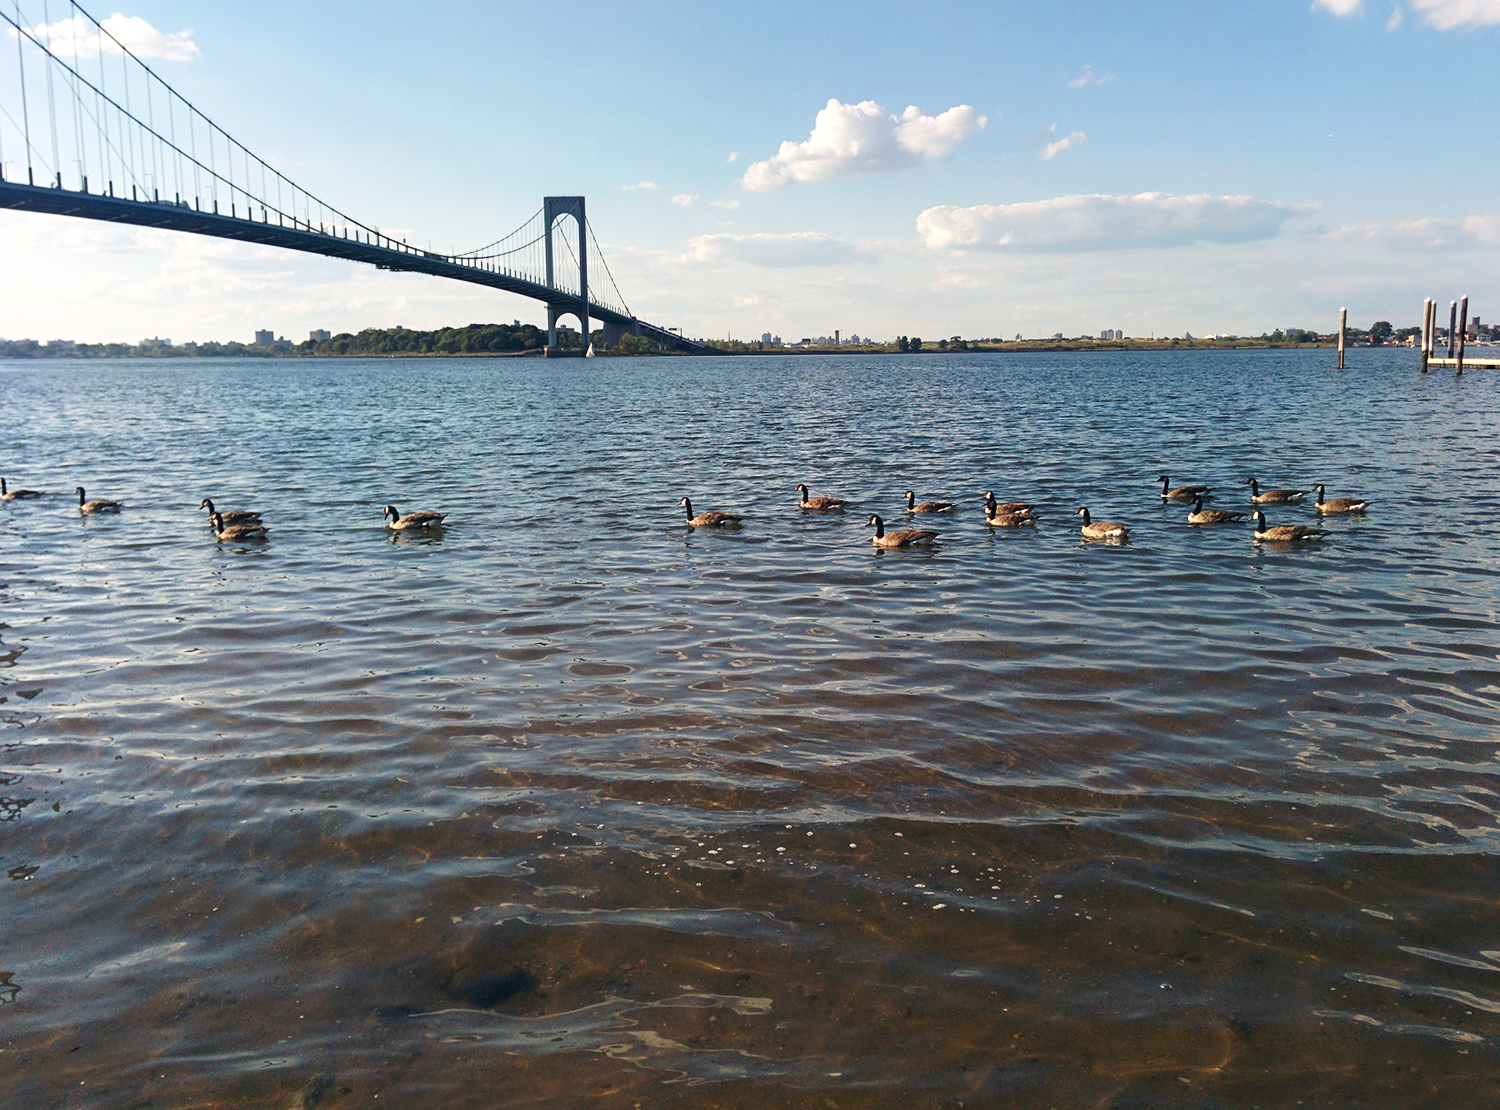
point(1463, 329)
point(1432, 332)
point(1452, 324)
point(1343, 327)
point(1426, 332)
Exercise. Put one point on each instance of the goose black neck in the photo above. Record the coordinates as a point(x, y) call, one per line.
point(1085, 514)
point(1166, 483)
point(1320, 493)
point(209, 505)
point(688, 505)
point(804, 494)
point(1254, 488)
point(911, 499)
point(1197, 504)
point(80, 496)
point(3, 490)
point(879, 527)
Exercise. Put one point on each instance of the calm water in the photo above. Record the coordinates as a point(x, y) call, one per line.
point(574, 806)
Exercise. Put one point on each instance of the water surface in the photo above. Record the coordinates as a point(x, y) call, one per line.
point(572, 805)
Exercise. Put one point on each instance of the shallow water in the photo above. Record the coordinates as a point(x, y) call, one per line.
point(572, 805)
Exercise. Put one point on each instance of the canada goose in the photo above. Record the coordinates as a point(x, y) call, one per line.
point(926, 506)
point(991, 506)
point(234, 516)
point(1101, 530)
point(1273, 496)
point(411, 521)
point(1339, 504)
point(1200, 515)
point(1181, 493)
point(819, 504)
point(100, 506)
point(708, 520)
point(906, 537)
point(231, 533)
point(7, 494)
point(1009, 520)
point(1284, 533)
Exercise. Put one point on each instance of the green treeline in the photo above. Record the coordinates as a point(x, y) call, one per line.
point(476, 339)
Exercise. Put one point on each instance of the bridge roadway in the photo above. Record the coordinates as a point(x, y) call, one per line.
point(384, 253)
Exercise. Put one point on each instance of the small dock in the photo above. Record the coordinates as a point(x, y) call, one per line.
point(1468, 363)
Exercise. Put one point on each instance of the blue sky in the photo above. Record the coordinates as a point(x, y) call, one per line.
point(1157, 167)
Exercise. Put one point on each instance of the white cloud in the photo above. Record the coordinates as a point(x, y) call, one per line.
point(1395, 18)
point(804, 248)
point(734, 156)
point(649, 186)
point(730, 205)
point(132, 32)
point(1472, 231)
point(1087, 78)
point(1052, 150)
point(1445, 15)
point(685, 200)
point(850, 140)
point(1448, 14)
point(1092, 222)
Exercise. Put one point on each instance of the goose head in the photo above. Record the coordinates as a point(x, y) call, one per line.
point(877, 524)
point(79, 491)
point(390, 511)
point(1083, 512)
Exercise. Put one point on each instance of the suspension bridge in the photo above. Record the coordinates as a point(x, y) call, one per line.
point(80, 105)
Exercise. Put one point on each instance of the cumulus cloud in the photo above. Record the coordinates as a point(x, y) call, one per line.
point(685, 200)
point(132, 32)
point(649, 186)
point(734, 156)
point(1448, 14)
point(1444, 15)
point(1053, 149)
point(730, 205)
point(1473, 231)
point(850, 140)
point(1092, 222)
point(804, 248)
point(1087, 78)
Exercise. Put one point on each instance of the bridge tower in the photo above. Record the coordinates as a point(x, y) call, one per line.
point(566, 302)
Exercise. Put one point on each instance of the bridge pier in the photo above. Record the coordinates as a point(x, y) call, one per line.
point(613, 332)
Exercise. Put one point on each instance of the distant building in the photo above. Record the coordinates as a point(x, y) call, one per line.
point(1111, 333)
point(1057, 335)
point(153, 342)
point(265, 338)
point(61, 344)
point(836, 333)
point(319, 335)
point(766, 338)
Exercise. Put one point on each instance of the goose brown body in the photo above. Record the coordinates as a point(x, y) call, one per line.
point(1009, 520)
point(926, 506)
point(993, 507)
point(233, 516)
point(710, 519)
point(819, 504)
point(411, 521)
point(1200, 515)
point(1284, 533)
point(1101, 529)
point(8, 494)
point(1273, 496)
point(904, 537)
point(1339, 504)
point(231, 533)
point(99, 505)
point(1181, 493)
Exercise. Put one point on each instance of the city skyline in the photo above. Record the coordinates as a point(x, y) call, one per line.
point(1163, 169)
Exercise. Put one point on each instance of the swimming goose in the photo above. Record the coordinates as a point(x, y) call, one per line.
point(906, 537)
point(1273, 496)
point(926, 506)
point(1103, 529)
point(708, 520)
point(234, 516)
point(1200, 515)
point(7, 494)
point(411, 521)
point(1181, 493)
point(230, 533)
point(1009, 520)
point(1339, 504)
point(1284, 533)
point(991, 506)
point(100, 506)
point(819, 504)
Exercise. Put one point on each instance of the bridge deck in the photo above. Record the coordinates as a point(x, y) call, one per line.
point(382, 252)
